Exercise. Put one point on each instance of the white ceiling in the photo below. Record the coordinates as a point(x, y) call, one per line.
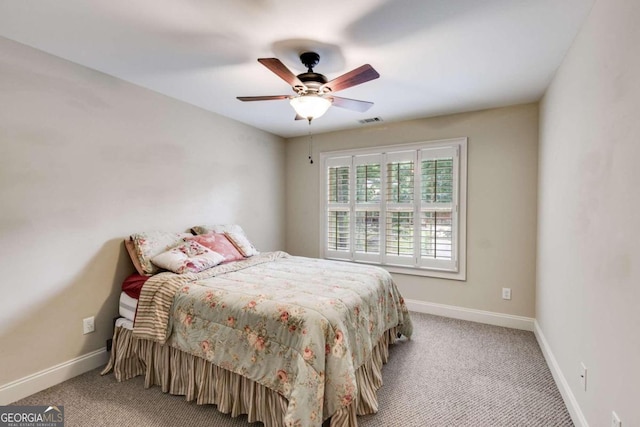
point(434, 56)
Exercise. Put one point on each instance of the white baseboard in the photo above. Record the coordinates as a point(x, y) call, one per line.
point(46, 378)
point(561, 381)
point(473, 315)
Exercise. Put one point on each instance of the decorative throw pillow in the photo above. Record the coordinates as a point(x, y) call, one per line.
point(219, 243)
point(152, 243)
point(241, 242)
point(188, 257)
point(131, 249)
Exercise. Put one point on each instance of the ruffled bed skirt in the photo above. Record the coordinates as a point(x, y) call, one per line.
point(181, 373)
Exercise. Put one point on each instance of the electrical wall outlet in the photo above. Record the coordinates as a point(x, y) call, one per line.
point(88, 325)
point(506, 293)
point(615, 420)
point(583, 376)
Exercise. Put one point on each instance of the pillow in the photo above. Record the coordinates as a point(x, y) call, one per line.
point(188, 257)
point(152, 243)
point(238, 237)
point(241, 242)
point(206, 229)
point(219, 243)
point(131, 249)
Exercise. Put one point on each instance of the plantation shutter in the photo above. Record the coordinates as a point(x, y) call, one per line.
point(438, 208)
point(367, 208)
point(403, 207)
point(400, 195)
point(338, 219)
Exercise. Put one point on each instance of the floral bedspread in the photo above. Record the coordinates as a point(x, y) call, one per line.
point(299, 326)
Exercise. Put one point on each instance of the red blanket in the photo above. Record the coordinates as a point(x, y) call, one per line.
point(133, 284)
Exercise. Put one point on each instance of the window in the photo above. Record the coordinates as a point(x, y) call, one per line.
point(403, 207)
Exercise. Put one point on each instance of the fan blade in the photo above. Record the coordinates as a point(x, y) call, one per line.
point(299, 117)
point(262, 98)
point(281, 71)
point(351, 104)
point(352, 78)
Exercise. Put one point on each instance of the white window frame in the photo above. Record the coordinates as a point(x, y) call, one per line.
point(455, 269)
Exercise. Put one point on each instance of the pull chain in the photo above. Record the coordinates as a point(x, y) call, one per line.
point(310, 143)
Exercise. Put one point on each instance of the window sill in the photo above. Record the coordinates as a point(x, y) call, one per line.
point(440, 274)
point(412, 271)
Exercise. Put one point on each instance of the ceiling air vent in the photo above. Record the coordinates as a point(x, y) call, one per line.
point(371, 120)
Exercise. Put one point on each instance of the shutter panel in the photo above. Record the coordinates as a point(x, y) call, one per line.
point(367, 207)
point(367, 235)
point(338, 226)
point(400, 207)
point(338, 215)
point(338, 180)
point(438, 201)
point(400, 240)
point(436, 235)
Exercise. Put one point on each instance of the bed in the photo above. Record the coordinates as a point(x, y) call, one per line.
point(286, 340)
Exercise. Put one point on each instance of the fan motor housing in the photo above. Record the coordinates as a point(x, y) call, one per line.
point(312, 83)
point(312, 77)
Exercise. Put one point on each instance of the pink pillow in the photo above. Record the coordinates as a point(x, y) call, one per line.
point(218, 242)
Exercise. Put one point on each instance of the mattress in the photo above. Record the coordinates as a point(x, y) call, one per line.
point(127, 306)
point(121, 322)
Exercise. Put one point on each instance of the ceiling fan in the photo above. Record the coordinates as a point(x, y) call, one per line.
point(314, 94)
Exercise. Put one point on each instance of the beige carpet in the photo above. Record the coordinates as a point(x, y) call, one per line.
point(452, 373)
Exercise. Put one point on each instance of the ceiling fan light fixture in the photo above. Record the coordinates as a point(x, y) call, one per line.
point(310, 106)
point(314, 93)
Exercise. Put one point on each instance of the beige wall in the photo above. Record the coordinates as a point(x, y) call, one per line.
point(501, 226)
point(85, 160)
point(588, 290)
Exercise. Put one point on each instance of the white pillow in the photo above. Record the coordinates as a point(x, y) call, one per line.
point(188, 257)
point(242, 243)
